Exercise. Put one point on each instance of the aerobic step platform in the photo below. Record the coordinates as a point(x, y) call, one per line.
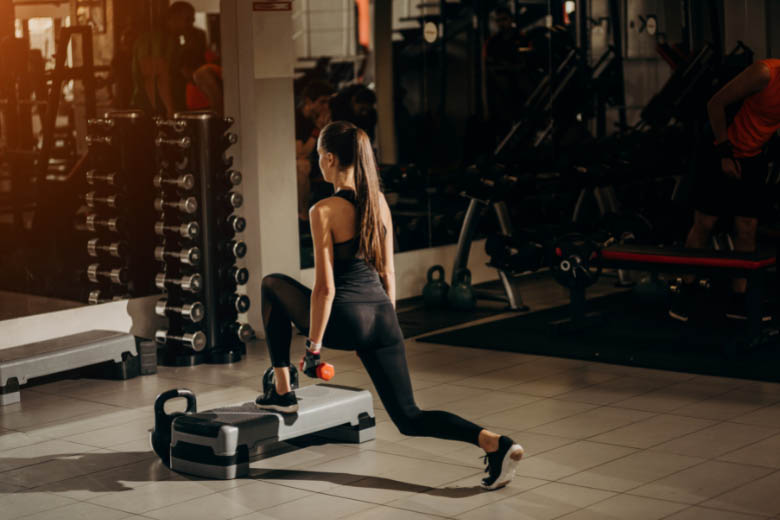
point(18, 364)
point(221, 443)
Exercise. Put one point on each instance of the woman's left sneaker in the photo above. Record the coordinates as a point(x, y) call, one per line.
point(286, 403)
point(501, 464)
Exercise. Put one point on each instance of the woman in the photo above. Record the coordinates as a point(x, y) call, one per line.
point(352, 305)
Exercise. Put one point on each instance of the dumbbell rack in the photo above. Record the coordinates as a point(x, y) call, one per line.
point(198, 244)
point(120, 168)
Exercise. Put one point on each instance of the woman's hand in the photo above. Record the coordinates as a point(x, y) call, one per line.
point(731, 168)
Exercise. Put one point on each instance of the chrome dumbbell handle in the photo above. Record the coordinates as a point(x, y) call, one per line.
point(189, 230)
point(94, 223)
point(93, 200)
point(191, 283)
point(191, 311)
point(176, 125)
point(93, 177)
point(117, 275)
point(188, 205)
point(182, 142)
point(97, 121)
point(190, 256)
point(99, 139)
point(182, 182)
point(195, 340)
point(115, 249)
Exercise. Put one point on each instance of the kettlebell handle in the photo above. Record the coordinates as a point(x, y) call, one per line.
point(463, 276)
point(159, 403)
point(435, 269)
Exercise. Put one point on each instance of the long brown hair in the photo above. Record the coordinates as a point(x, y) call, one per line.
point(351, 146)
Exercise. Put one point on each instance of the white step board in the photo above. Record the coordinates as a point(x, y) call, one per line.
point(221, 443)
point(18, 364)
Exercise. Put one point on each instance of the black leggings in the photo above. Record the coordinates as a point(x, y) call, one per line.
point(372, 330)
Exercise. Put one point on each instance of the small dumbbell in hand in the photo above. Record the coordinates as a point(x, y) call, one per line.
point(313, 366)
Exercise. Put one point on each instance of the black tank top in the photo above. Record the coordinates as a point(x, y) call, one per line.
point(356, 280)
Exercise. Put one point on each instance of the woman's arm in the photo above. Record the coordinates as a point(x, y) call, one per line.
point(324, 287)
point(388, 275)
point(748, 82)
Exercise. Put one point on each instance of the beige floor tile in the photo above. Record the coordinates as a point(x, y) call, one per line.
point(211, 507)
point(541, 503)
point(562, 382)
point(114, 435)
point(64, 467)
point(8, 488)
point(257, 495)
point(10, 440)
point(653, 431)
point(699, 483)
point(38, 453)
point(21, 504)
point(429, 473)
point(105, 483)
point(612, 391)
point(473, 408)
point(58, 410)
point(719, 439)
point(389, 513)
point(304, 457)
point(673, 397)
point(762, 453)
point(592, 422)
point(321, 507)
point(570, 459)
point(462, 496)
point(92, 422)
point(626, 506)
point(534, 414)
point(438, 396)
point(768, 416)
point(430, 449)
point(759, 497)
point(535, 443)
point(727, 406)
point(632, 471)
point(666, 376)
point(79, 510)
point(699, 513)
point(377, 490)
point(388, 431)
point(148, 498)
point(514, 375)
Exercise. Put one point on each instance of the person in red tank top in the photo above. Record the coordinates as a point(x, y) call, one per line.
point(732, 181)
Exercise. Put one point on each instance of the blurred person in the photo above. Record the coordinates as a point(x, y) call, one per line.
point(356, 104)
point(204, 89)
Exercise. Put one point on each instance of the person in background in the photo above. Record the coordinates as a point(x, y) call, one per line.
point(204, 90)
point(311, 116)
point(356, 104)
point(158, 86)
point(122, 68)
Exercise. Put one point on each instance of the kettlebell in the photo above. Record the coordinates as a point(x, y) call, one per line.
point(269, 380)
point(436, 290)
point(461, 295)
point(161, 435)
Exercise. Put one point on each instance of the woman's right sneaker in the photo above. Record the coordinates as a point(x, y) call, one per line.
point(286, 403)
point(502, 464)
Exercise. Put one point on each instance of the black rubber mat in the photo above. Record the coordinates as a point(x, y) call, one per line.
point(630, 328)
point(419, 320)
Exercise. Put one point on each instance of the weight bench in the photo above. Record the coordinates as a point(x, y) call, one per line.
point(753, 266)
point(18, 364)
point(220, 443)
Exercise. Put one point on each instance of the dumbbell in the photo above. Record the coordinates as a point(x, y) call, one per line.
point(187, 205)
point(312, 366)
point(182, 182)
point(191, 311)
point(101, 122)
point(96, 297)
point(235, 248)
point(182, 142)
point(231, 200)
point(195, 340)
point(189, 230)
point(239, 302)
point(115, 249)
point(95, 139)
point(189, 256)
point(177, 125)
point(243, 331)
point(117, 275)
point(112, 201)
point(233, 224)
point(94, 224)
point(192, 283)
point(233, 177)
point(112, 179)
point(239, 275)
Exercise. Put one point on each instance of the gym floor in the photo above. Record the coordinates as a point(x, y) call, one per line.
point(602, 441)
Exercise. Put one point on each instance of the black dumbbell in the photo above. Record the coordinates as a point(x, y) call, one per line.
point(239, 302)
point(238, 275)
point(191, 311)
point(195, 340)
